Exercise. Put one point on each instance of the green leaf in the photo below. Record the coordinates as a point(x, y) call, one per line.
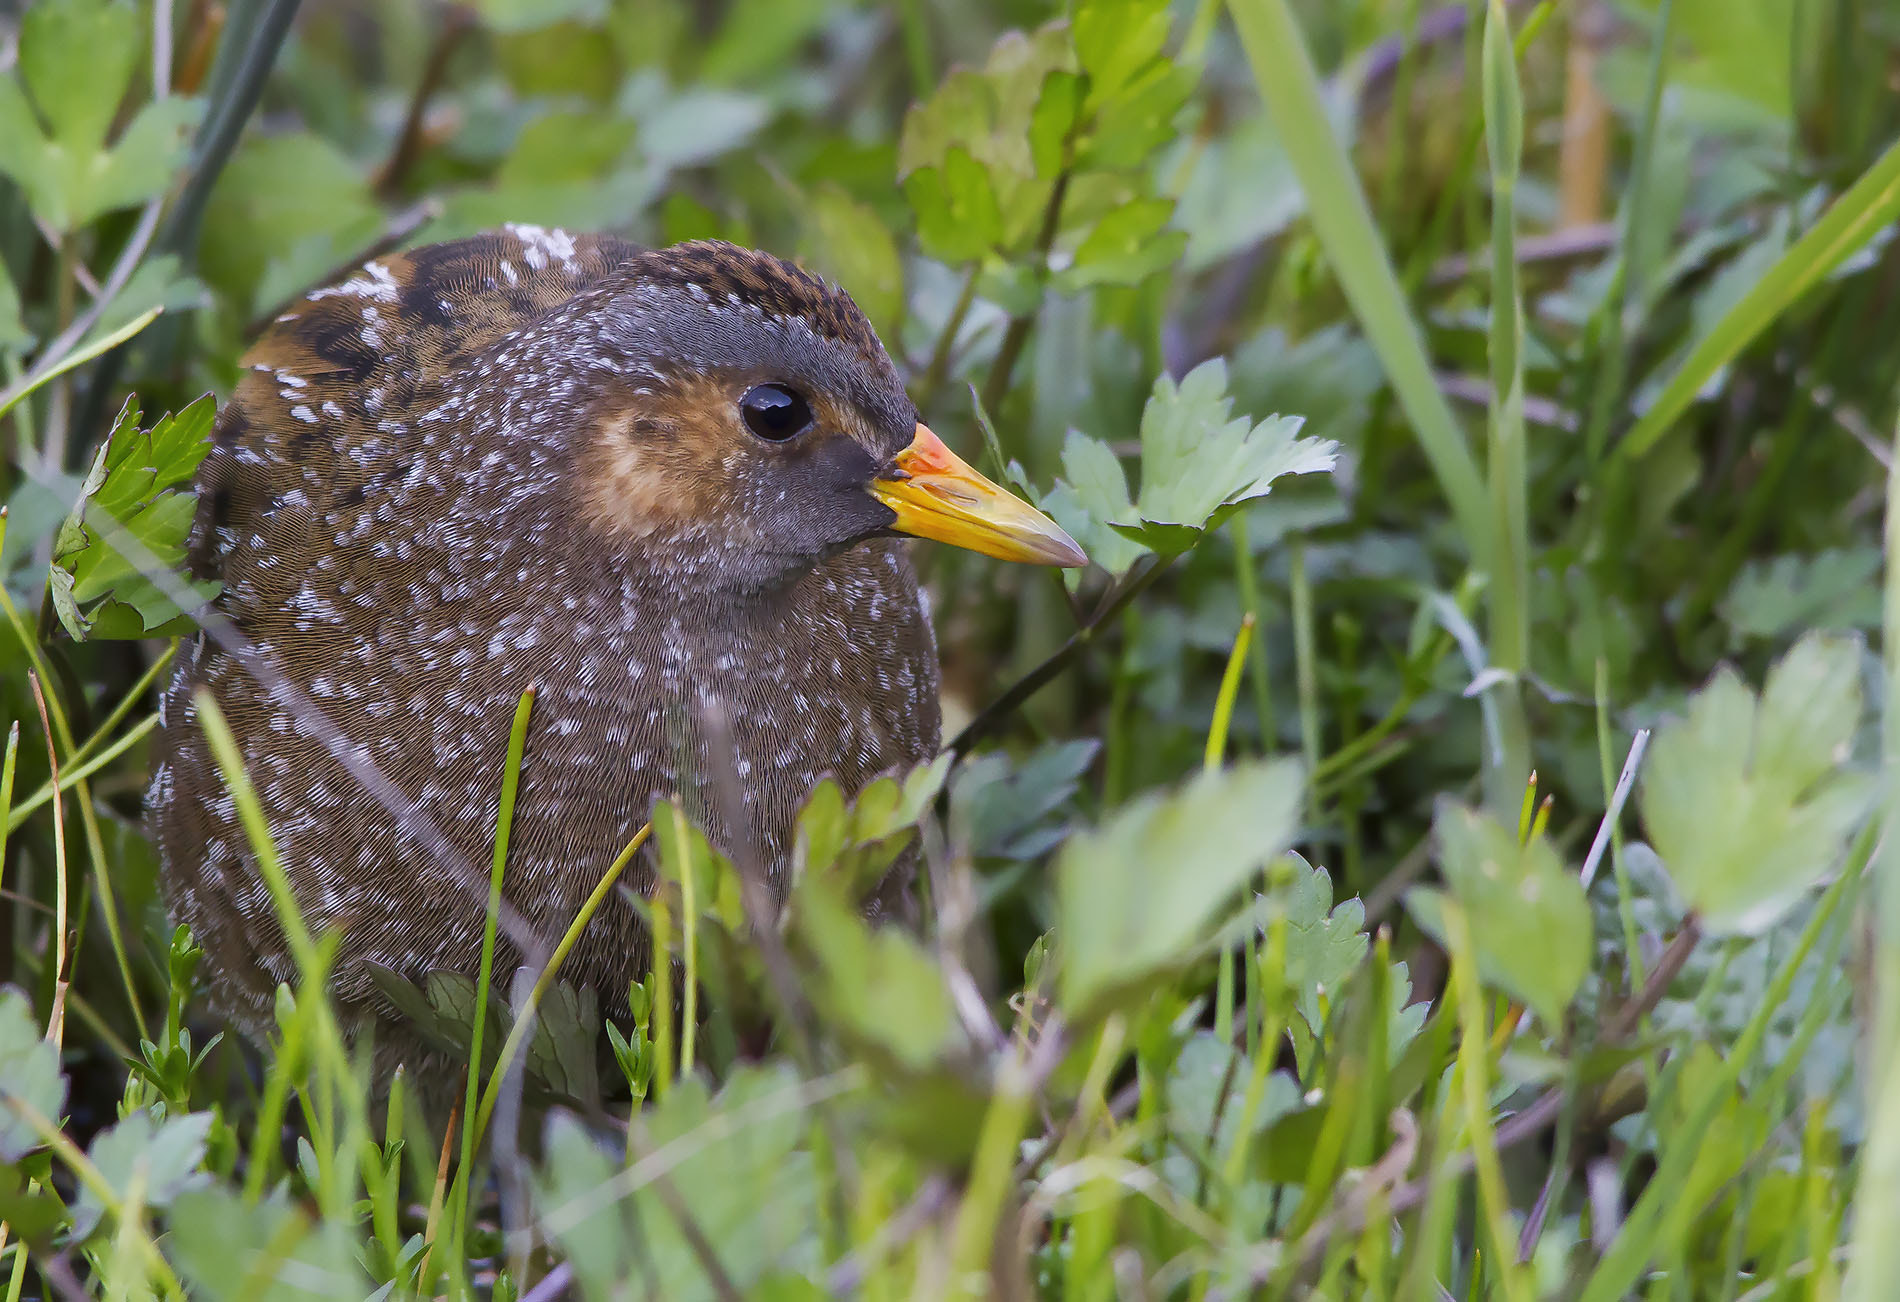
point(1125, 247)
point(737, 1175)
point(280, 193)
point(1324, 944)
point(29, 1072)
point(1861, 213)
point(1837, 590)
point(262, 1252)
point(1529, 917)
point(1003, 809)
point(130, 522)
point(157, 1159)
point(878, 986)
point(76, 62)
point(13, 331)
point(1749, 801)
point(1197, 465)
point(1141, 894)
point(531, 15)
point(76, 58)
point(1094, 493)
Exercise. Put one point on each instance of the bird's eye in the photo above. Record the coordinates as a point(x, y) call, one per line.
point(774, 412)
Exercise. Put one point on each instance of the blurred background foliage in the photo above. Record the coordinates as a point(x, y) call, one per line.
point(1605, 421)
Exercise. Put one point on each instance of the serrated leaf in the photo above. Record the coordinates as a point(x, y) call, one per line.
point(29, 1072)
point(1749, 801)
point(1828, 590)
point(1093, 492)
point(124, 543)
point(1324, 943)
point(1140, 895)
point(739, 1177)
point(1529, 918)
point(160, 1158)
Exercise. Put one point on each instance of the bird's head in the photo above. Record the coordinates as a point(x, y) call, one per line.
point(751, 417)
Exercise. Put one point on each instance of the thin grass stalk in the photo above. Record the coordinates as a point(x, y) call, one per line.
point(1510, 569)
point(1876, 1249)
point(1474, 1092)
point(1341, 220)
point(13, 816)
point(524, 1016)
point(56, 1020)
point(1863, 211)
point(484, 975)
point(1215, 753)
point(1610, 373)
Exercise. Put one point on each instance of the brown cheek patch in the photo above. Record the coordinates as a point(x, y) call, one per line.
point(657, 463)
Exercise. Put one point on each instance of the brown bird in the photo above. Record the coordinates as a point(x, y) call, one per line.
point(662, 486)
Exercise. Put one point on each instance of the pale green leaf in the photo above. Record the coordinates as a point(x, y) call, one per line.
point(1142, 893)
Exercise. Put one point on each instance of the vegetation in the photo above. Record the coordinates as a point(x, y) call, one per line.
point(1456, 872)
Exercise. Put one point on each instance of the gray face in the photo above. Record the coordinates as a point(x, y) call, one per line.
point(744, 508)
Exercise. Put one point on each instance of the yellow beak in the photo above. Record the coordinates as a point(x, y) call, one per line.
point(937, 495)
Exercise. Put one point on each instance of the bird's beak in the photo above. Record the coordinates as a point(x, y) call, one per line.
point(937, 495)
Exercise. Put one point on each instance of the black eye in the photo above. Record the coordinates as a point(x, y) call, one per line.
point(774, 412)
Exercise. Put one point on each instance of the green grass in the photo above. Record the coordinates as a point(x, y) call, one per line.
point(1426, 1009)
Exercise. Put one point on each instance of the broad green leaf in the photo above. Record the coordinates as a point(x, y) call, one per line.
point(76, 58)
point(76, 62)
point(29, 1072)
point(738, 1176)
point(1749, 801)
point(279, 193)
point(1006, 810)
point(1125, 246)
point(877, 985)
point(1141, 894)
point(160, 1158)
point(1530, 920)
point(228, 1248)
point(117, 559)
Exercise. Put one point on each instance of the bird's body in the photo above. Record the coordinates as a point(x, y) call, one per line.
point(510, 461)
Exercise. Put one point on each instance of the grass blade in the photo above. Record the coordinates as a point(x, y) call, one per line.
point(1856, 217)
point(1342, 222)
point(1876, 1251)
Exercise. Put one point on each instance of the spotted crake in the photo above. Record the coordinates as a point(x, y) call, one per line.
point(660, 486)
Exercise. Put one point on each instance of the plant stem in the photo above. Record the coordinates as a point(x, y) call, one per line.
point(1130, 586)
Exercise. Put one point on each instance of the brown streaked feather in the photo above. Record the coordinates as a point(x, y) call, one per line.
point(397, 504)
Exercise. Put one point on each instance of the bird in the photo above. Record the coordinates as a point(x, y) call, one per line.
point(670, 489)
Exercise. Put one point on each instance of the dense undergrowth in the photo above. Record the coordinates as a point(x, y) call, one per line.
point(1453, 873)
